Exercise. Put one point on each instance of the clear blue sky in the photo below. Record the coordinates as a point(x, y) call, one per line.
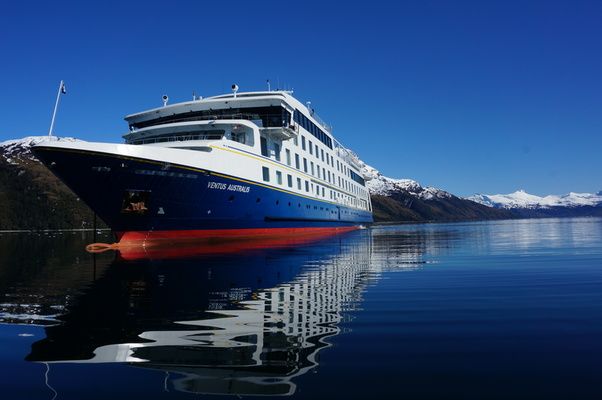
point(469, 96)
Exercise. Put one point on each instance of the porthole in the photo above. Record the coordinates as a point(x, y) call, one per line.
point(258, 200)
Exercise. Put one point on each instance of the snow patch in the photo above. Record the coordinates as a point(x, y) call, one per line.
point(385, 186)
point(16, 150)
point(522, 199)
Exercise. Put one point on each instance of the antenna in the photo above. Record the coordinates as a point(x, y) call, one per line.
point(193, 96)
point(269, 89)
point(165, 99)
point(234, 89)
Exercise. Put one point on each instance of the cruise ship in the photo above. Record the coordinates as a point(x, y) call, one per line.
point(242, 164)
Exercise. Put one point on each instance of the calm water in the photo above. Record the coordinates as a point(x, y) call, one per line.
point(509, 309)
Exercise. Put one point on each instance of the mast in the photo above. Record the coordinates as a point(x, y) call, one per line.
point(61, 90)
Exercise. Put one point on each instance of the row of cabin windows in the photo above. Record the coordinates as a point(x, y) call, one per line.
point(314, 169)
point(309, 187)
point(327, 158)
point(321, 173)
point(330, 161)
point(312, 128)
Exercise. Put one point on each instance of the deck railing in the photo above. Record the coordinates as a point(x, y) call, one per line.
point(179, 138)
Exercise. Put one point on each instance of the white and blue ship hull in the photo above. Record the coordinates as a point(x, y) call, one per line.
point(183, 200)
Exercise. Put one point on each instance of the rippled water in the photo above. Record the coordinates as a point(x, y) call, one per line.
point(505, 309)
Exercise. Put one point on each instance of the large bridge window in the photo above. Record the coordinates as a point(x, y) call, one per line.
point(272, 116)
point(357, 178)
point(312, 128)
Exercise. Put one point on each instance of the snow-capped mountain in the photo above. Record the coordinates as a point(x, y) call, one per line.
point(379, 184)
point(15, 150)
point(407, 200)
point(31, 196)
point(522, 199)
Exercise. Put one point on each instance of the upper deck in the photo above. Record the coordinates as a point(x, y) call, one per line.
point(234, 116)
point(217, 107)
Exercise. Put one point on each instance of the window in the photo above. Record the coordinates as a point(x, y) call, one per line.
point(279, 177)
point(266, 173)
point(306, 186)
point(264, 147)
point(312, 167)
point(318, 171)
point(299, 183)
point(277, 151)
point(305, 164)
point(322, 155)
point(288, 157)
point(239, 137)
point(323, 195)
point(311, 148)
point(297, 165)
point(317, 190)
point(295, 141)
point(289, 179)
point(303, 142)
point(357, 178)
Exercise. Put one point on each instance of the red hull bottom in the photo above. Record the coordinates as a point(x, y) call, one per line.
point(176, 244)
point(141, 236)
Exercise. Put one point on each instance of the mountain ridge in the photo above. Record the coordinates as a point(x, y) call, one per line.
point(399, 200)
point(36, 199)
point(525, 205)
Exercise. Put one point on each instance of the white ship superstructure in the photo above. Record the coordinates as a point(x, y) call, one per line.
point(232, 163)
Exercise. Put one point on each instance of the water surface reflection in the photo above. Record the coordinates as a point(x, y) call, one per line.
point(245, 323)
point(521, 300)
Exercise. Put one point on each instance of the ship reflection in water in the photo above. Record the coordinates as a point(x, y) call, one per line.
point(246, 323)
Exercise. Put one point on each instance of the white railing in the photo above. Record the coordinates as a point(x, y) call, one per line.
point(179, 138)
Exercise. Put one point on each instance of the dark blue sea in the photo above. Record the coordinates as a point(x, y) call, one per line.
point(480, 310)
